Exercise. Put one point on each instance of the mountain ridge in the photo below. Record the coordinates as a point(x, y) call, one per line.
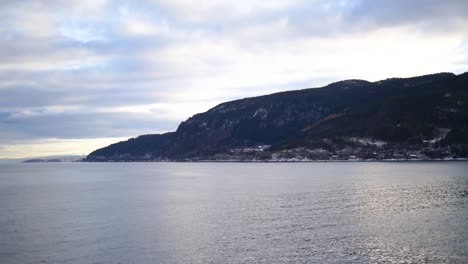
point(423, 117)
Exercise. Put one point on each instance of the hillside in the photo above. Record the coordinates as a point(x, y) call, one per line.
point(422, 117)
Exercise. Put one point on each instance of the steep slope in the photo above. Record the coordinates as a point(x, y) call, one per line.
point(426, 114)
point(144, 147)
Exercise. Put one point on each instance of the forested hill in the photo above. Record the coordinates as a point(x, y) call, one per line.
point(423, 117)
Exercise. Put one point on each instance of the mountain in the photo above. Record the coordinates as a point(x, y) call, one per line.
point(423, 117)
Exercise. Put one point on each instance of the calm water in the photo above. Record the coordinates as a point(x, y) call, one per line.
point(234, 213)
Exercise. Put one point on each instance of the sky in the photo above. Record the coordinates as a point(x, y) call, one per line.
point(76, 75)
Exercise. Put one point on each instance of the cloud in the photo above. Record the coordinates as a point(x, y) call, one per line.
point(426, 15)
point(45, 123)
point(97, 69)
point(54, 146)
point(400, 12)
point(215, 10)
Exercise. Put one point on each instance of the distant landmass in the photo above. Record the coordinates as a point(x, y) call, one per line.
point(423, 117)
point(68, 158)
point(41, 160)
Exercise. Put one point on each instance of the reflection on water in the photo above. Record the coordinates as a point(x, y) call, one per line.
point(234, 213)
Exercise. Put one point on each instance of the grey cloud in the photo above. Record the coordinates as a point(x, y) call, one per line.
point(84, 125)
point(16, 97)
point(437, 14)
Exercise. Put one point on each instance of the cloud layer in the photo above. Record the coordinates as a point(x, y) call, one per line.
point(81, 71)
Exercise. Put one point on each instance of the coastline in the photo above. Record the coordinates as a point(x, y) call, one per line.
point(279, 161)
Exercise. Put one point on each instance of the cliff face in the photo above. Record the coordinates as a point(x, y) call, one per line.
point(420, 117)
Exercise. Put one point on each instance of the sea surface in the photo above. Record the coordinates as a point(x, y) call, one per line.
point(329, 212)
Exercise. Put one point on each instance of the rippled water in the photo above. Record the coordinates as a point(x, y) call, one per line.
point(234, 213)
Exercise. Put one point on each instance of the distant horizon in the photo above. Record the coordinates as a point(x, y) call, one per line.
point(80, 75)
point(46, 157)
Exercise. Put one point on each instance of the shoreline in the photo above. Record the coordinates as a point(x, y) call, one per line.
point(277, 161)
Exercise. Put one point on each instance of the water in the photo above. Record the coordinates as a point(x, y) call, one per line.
point(234, 213)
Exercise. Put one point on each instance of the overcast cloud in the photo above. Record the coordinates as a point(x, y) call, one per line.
point(81, 73)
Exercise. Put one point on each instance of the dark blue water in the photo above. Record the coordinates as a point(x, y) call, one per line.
point(234, 212)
